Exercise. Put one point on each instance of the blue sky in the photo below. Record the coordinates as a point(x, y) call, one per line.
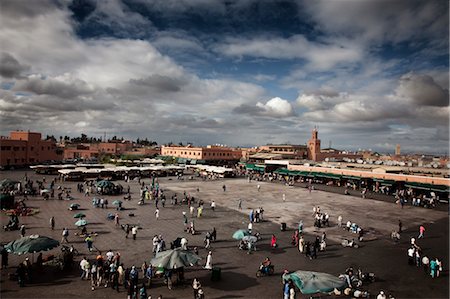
point(369, 74)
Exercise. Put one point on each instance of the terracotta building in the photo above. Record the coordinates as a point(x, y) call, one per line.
point(93, 150)
point(27, 148)
point(208, 153)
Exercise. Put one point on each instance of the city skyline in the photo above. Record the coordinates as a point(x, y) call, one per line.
point(369, 74)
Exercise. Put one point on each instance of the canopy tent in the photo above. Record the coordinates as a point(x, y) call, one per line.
point(175, 258)
point(427, 187)
point(31, 244)
point(384, 182)
point(315, 282)
point(254, 167)
point(8, 184)
point(351, 177)
point(327, 175)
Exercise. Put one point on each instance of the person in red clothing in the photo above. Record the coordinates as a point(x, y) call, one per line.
point(273, 242)
point(421, 231)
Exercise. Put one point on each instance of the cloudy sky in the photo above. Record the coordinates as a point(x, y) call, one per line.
point(369, 74)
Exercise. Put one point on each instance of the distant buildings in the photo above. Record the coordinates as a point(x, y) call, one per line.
point(27, 148)
point(88, 151)
point(209, 154)
point(311, 151)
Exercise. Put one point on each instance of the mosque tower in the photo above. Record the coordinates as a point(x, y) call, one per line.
point(313, 145)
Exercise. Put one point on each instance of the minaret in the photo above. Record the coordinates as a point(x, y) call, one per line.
point(313, 145)
point(397, 150)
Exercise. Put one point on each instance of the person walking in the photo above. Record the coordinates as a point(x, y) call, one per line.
point(240, 204)
point(339, 221)
point(116, 219)
point(89, 242)
point(400, 226)
point(65, 234)
point(22, 230)
point(134, 230)
point(52, 223)
point(421, 231)
point(196, 285)
point(208, 264)
point(127, 230)
point(157, 213)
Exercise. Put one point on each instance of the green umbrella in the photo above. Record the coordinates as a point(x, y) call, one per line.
point(117, 202)
point(79, 215)
point(74, 206)
point(81, 222)
point(105, 184)
point(175, 258)
point(7, 183)
point(239, 234)
point(315, 282)
point(31, 244)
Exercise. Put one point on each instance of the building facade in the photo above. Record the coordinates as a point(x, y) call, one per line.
point(27, 148)
point(208, 153)
point(88, 151)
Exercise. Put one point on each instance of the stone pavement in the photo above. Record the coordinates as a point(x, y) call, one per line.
point(379, 255)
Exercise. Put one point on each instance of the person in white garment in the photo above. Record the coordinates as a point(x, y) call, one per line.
point(209, 261)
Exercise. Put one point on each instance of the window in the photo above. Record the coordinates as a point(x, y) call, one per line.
point(23, 148)
point(16, 148)
point(32, 148)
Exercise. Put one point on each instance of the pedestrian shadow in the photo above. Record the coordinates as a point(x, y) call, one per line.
point(239, 281)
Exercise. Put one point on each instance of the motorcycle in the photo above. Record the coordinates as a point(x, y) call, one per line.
point(366, 276)
point(265, 271)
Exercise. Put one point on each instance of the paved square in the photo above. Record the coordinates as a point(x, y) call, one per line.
point(378, 254)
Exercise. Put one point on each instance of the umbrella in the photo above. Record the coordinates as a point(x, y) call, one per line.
point(239, 234)
point(7, 183)
point(315, 282)
point(81, 222)
point(251, 239)
point(79, 215)
point(31, 244)
point(175, 258)
point(117, 202)
point(105, 184)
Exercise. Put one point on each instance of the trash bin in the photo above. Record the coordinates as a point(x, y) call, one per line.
point(215, 273)
point(283, 226)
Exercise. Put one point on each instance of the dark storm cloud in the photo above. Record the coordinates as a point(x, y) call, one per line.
point(160, 83)
point(248, 109)
point(10, 67)
point(423, 90)
point(62, 87)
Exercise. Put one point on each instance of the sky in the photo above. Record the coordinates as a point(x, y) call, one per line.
point(368, 74)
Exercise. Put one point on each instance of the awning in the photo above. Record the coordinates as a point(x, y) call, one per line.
point(384, 182)
point(350, 177)
point(283, 171)
point(428, 187)
point(327, 175)
point(254, 167)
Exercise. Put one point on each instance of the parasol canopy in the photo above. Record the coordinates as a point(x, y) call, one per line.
point(81, 222)
point(31, 244)
point(105, 184)
point(175, 258)
point(79, 215)
point(74, 206)
point(239, 234)
point(315, 282)
point(117, 202)
point(8, 184)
